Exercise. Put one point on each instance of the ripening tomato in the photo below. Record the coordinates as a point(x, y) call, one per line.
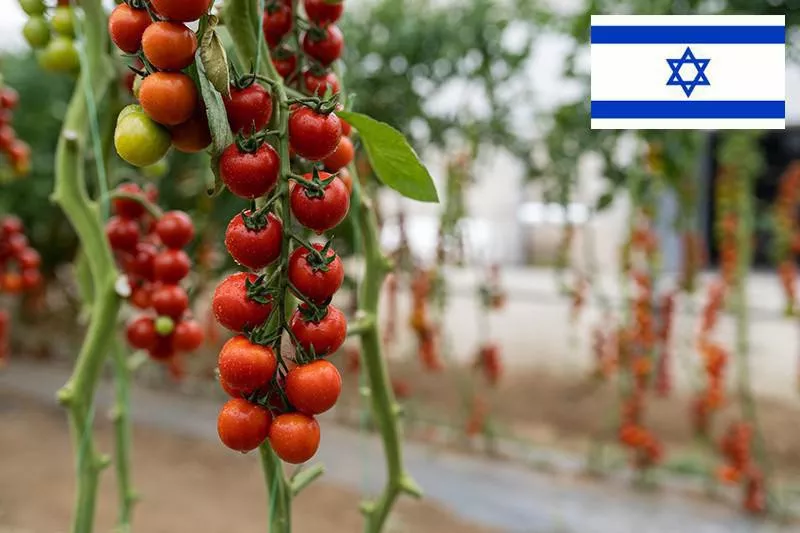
point(232, 307)
point(246, 366)
point(249, 175)
point(162, 349)
point(316, 280)
point(169, 45)
point(11, 283)
point(320, 84)
point(141, 295)
point(126, 26)
point(320, 211)
point(341, 157)
point(169, 98)
point(254, 249)
point(323, 12)
point(7, 137)
point(182, 10)
point(175, 229)
point(141, 333)
point(188, 336)
point(170, 300)
point(347, 179)
point(171, 266)
point(319, 338)
point(29, 259)
point(326, 49)
point(249, 109)
point(285, 62)
point(313, 388)
point(126, 207)
point(243, 426)
point(294, 437)
point(138, 139)
point(193, 135)
point(277, 22)
point(314, 135)
point(122, 233)
point(31, 279)
point(19, 153)
point(17, 243)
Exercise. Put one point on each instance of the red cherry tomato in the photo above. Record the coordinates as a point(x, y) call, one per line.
point(285, 63)
point(7, 137)
point(327, 49)
point(141, 296)
point(169, 98)
point(126, 26)
point(248, 109)
point(128, 208)
point(320, 213)
point(294, 437)
point(171, 266)
point(246, 366)
point(9, 98)
point(323, 12)
point(141, 333)
point(323, 337)
point(277, 22)
point(162, 350)
point(315, 280)
point(11, 224)
point(182, 10)
point(341, 157)
point(318, 84)
point(122, 233)
point(188, 336)
point(175, 229)
point(254, 249)
point(250, 175)
point(232, 307)
point(313, 388)
point(313, 135)
point(170, 300)
point(193, 135)
point(169, 45)
point(29, 259)
point(142, 262)
point(243, 426)
point(229, 390)
point(31, 279)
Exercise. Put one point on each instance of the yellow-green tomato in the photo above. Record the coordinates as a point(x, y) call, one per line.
point(63, 21)
point(156, 170)
point(139, 140)
point(60, 55)
point(137, 85)
point(37, 32)
point(32, 7)
point(127, 110)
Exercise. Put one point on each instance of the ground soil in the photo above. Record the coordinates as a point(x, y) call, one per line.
point(189, 485)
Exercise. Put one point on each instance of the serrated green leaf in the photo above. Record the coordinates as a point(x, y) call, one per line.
point(221, 135)
point(394, 160)
point(215, 62)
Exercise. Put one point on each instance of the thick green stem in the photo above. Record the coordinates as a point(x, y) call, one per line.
point(122, 437)
point(279, 491)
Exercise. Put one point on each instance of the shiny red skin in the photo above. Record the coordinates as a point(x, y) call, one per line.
point(250, 175)
point(247, 106)
point(314, 135)
point(325, 336)
point(170, 300)
point(122, 233)
point(11, 224)
point(188, 336)
point(246, 367)
point(277, 24)
point(313, 388)
point(316, 285)
point(169, 45)
point(17, 243)
point(233, 309)
point(294, 437)
point(242, 426)
point(175, 229)
point(169, 98)
point(128, 208)
point(29, 259)
point(254, 249)
point(162, 350)
point(182, 10)
point(141, 296)
point(326, 50)
point(192, 136)
point(141, 333)
point(321, 213)
point(171, 266)
point(142, 262)
point(285, 65)
point(342, 156)
point(322, 12)
point(126, 27)
point(318, 85)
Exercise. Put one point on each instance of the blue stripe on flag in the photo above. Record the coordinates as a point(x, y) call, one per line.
point(691, 109)
point(688, 35)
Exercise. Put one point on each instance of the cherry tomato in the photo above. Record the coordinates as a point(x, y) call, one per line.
point(60, 55)
point(347, 129)
point(347, 179)
point(313, 388)
point(126, 26)
point(141, 295)
point(17, 243)
point(20, 155)
point(243, 426)
point(162, 349)
point(175, 229)
point(142, 262)
point(141, 333)
point(169, 45)
point(188, 336)
point(12, 282)
point(315, 280)
point(11, 224)
point(320, 213)
point(125, 207)
point(170, 300)
point(63, 21)
point(319, 84)
point(171, 266)
point(313, 135)
point(193, 135)
point(254, 249)
point(341, 157)
point(277, 22)
point(31, 279)
point(248, 109)
point(33, 7)
point(250, 175)
point(294, 437)
point(37, 32)
point(29, 259)
point(323, 12)
point(285, 63)
point(182, 10)
point(229, 390)
point(323, 337)
point(327, 49)
point(7, 137)
point(246, 366)
point(232, 307)
point(169, 98)
point(139, 140)
point(122, 233)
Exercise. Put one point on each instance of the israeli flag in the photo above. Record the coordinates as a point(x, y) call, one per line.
point(688, 72)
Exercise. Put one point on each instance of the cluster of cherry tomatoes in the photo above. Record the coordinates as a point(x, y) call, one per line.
point(421, 324)
point(16, 150)
point(739, 466)
point(663, 376)
point(787, 238)
point(53, 37)
point(646, 447)
point(715, 360)
point(19, 263)
point(727, 223)
point(149, 250)
point(170, 110)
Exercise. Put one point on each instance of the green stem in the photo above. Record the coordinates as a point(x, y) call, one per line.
point(122, 437)
point(279, 491)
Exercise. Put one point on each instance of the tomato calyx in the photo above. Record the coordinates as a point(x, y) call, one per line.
point(315, 187)
point(258, 219)
point(319, 260)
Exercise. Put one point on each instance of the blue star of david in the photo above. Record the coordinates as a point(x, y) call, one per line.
point(688, 59)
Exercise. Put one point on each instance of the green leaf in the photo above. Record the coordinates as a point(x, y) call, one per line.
point(215, 62)
point(605, 201)
point(221, 135)
point(392, 158)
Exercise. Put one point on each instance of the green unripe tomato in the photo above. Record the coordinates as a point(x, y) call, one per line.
point(60, 55)
point(33, 7)
point(127, 110)
point(37, 32)
point(164, 325)
point(139, 140)
point(156, 170)
point(64, 21)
